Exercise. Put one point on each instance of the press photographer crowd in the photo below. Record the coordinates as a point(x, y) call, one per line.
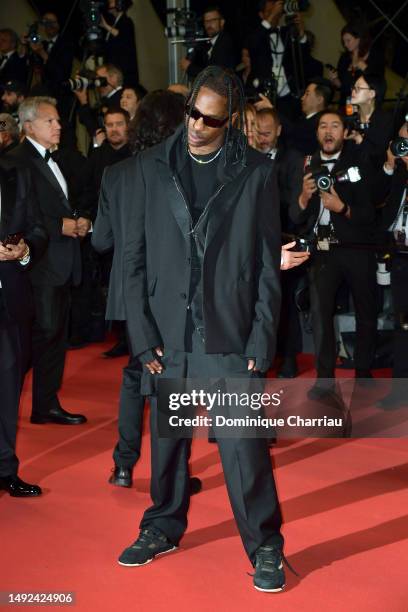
point(331, 156)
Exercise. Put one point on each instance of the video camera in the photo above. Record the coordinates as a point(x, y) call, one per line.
point(399, 147)
point(325, 180)
point(185, 24)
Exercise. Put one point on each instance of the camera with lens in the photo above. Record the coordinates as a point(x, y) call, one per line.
point(266, 87)
point(305, 245)
point(32, 34)
point(92, 12)
point(399, 147)
point(325, 180)
point(82, 82)
point(185, 25)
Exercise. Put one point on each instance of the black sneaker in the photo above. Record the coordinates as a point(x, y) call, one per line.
point(269, 573)
point(150, 543)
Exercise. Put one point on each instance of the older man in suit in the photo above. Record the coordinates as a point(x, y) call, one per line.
point(22, 240)
point(60, 266)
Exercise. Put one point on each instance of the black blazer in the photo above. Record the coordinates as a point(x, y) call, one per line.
point(258, 45)
point(62, 261)
point(19, 213)
point(241, 276)
point(15, 69)
point(387, 194)
point(109, 231)
point(302, 134)
point(223, 54)
point(360, 227)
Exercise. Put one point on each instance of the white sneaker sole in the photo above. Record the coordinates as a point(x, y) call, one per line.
point(270, 590)
point(149, 560)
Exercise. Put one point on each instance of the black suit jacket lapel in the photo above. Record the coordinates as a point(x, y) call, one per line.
point(46, 171)
point(175, 197)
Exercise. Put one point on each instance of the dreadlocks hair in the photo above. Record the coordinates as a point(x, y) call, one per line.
point(226, 84)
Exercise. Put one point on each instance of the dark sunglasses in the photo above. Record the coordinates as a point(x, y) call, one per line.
point(208, 121)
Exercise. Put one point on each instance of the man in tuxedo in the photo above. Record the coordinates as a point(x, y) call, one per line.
point(287, 161)
point(391, 193)
point(344, 214)
point(23, 239)
point(302, 133)
point(270, 54)
point(202, 296)
point(12, 66)
point(219, 51)
point(110, 94)
point(54, 180)
point(13, 95)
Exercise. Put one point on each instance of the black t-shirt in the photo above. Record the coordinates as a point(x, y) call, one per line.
point(200, 182)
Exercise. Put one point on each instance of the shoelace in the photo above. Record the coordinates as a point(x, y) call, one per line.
point(146, 536)
point(267, 553)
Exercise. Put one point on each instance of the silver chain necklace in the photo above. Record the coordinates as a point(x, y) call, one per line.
point(200, 161)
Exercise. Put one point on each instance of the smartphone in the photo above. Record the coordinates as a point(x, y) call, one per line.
point(13, 238)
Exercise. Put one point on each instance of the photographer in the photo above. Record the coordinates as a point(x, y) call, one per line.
point(119, 41)
point(269, 48)
point(130, 99)
point(391, 191)
point(218, 51)
point(12, 66)
point(359, 57)
point(343, 214)
point(370, 128)
point(109, 95)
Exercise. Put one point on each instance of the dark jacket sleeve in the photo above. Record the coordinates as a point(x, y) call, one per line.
point(102, 235)
point(261, 343)
point(142, 328)
point(36, 235)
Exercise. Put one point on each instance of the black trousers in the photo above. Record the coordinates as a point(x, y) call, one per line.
point(399, 288)
point(326, 272)
point(290, 331)
point(49, 345)
point(131, 408)
point(246, 463)
point(15, 344)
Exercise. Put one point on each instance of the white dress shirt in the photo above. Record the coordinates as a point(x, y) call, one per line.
point(324, 214)
point(52, 165)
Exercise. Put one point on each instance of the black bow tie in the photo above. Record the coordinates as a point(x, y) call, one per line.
point(51, 155)
point(326, 162)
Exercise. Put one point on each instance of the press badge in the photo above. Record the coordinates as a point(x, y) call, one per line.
point(323, 244)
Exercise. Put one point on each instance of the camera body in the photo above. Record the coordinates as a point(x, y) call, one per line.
point(325, 180)
point(399, 147)
point(185, 25)
point(32, 34)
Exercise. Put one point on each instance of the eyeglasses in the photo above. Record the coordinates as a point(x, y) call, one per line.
point(208, 121)
point(357, 88)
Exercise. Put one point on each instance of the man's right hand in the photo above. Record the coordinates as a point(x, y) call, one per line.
point(82, 96)
point(69, 227)
point(154, 366)
point(275, 13)
point(391, 159)
point(309, 188)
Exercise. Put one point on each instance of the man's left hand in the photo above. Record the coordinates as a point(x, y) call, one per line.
point(83, 226)
point(331, 200)
point(354, 135)
point(12, 252)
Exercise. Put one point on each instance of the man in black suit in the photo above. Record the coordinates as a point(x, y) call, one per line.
point(302, 134)
point(202, 297)
point(9, 134)
point(13, 95)
point(269, 49)
point(23, 239)
point(344, 214)
point(219, 51)
point(287, 161)
point(12, 66)
point(391, 192)
point(54, 179)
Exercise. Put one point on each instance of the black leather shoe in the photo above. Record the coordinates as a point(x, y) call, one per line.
point(58, 416)
point(195, 485)
point(119, 350)
point(18, 488)
point(121, 476)
point(288, 368)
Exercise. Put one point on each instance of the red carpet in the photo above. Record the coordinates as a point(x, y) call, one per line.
point(344, 504)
